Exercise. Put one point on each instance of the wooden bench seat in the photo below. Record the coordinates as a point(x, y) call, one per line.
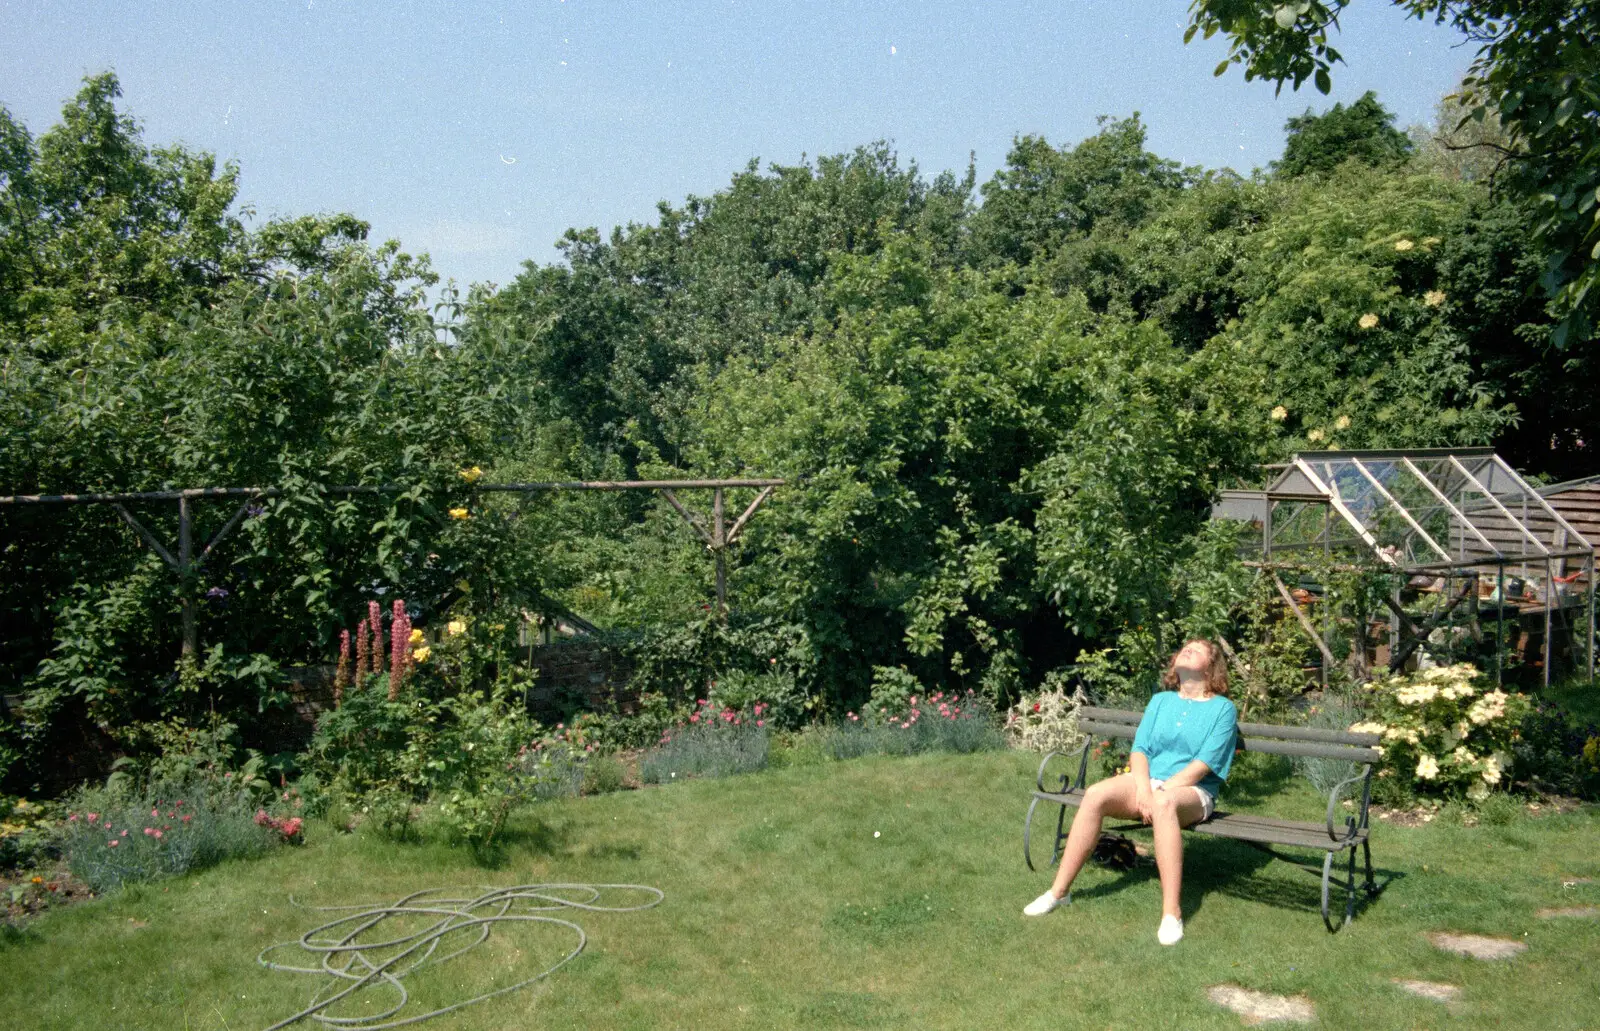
point(1330, 837)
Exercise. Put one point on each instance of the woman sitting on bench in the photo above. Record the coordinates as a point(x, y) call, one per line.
point(1179, 760)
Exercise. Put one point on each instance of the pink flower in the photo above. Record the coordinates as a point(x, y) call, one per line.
point(695, 718)
point(112, 843)
point(93, 817)
point(155, 834)
point(149, 831)
point(761, 723)
point(124, 833)
point(73, 818)
point(179, 802)
point(187, 817)
point(155, 814)
point(913, 699)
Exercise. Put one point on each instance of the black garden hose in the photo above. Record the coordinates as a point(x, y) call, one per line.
point(341, 946)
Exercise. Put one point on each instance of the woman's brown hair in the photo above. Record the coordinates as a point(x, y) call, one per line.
point(1216, 670)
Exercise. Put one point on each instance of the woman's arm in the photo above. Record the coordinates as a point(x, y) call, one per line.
point(1143, 799)
point(1189, 776)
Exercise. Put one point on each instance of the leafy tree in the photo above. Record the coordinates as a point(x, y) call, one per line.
point(1347, 312)
point(1537, 69)
point(1363, 132)
point(1044, 197)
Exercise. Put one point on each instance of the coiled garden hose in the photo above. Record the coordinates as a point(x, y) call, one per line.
point(348, 949)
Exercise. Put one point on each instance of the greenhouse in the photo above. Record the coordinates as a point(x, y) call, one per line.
point(1460, 531)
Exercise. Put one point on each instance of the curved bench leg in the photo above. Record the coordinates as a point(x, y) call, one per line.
point(1327, 869)
point(1350, 890)
point(1372, 885)
point(1027, 834)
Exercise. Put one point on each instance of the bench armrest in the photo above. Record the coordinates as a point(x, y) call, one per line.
point(1039, 779)
point(1351, 825)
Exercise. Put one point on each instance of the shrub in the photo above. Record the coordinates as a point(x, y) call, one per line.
point(1334, 712)
point(603, 774)
point(114, 837)
point(783, 703)
point(1442, 732)
point(1045, 722)
point(941, 722)
point(1558, 752)
point(710, 743)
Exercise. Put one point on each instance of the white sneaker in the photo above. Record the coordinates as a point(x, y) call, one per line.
point(1171, 930)
point(1044, 904)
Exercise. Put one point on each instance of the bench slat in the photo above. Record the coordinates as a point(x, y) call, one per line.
point(1272, 746)
point(1265, 830)
point(1110, 719)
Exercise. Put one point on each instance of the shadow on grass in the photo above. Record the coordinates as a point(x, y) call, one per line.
point(1209, 866)
point(13, 937)
point(520, 838)
point(845, 1009)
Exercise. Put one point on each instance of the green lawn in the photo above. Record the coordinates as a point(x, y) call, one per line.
point(783, 909)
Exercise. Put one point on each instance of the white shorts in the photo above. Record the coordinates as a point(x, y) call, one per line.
point(1206, 799)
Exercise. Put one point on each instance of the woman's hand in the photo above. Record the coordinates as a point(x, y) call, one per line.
point(1144, 802)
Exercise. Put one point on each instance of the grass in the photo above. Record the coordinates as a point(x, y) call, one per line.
point(880, 892)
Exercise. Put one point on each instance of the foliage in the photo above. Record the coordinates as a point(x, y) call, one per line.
point(941, 722)
point(1536, 70)
point(1559, 752)
point(115, 837)
point(1335, 711)
point(1046, 721)
point(710, 743)
point(1443, 734)
point(1362, 132)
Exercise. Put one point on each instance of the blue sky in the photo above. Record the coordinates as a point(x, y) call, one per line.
point(479, 131)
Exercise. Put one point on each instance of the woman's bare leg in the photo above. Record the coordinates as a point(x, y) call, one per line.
point(1113, 796)
point(1174, 809)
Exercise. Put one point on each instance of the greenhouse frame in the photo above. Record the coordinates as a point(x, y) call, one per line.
point(1459, 523)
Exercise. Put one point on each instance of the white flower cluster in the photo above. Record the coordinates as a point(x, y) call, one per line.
point(1491, 706)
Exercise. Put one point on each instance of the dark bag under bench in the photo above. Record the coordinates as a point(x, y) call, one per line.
point(1258, 831)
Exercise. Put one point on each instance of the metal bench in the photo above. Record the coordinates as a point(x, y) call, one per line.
point(1260, 832)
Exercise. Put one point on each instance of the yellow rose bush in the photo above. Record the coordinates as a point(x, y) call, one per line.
point(1445, 730)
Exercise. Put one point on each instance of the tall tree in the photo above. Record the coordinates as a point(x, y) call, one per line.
point(1363, 132)
point(1537, 68)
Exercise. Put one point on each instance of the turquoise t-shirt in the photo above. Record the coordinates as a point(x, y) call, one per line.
point(1176, 730)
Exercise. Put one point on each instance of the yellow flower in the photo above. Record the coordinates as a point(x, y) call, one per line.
point(421, 654)
point(416, 638)
point(1403, 245)
point(1367, 321)
point(1280, 413)
point(1429, 241)
point(472, 475)
point(455, 628)
point(1314, 436)
point(1433, 298)
point(459, 513)
point(1342, 422)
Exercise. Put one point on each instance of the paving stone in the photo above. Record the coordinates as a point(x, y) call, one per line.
point(1477, 946)
point(1435, 990)
point(1582, 912)
point(1259, 1007)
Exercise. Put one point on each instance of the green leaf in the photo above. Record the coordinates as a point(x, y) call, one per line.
point(1324, 83)
point(1221, 68)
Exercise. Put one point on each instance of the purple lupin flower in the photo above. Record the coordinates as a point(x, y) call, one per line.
point(361, 652)
point(341, 678)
